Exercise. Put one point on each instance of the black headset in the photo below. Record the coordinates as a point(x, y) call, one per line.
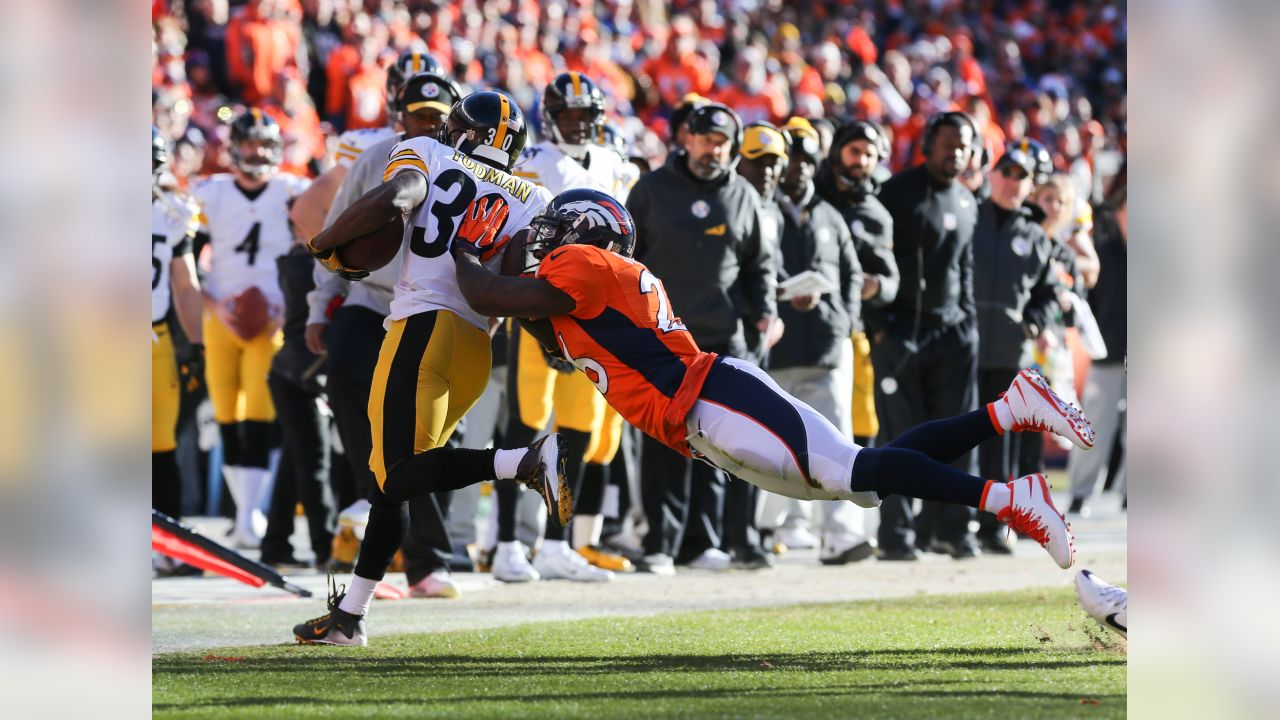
point(860, 130)
point(734, 155)
point(950, 117)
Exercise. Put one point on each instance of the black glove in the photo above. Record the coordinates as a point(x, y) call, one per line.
point(557, 363)
point(191, 369)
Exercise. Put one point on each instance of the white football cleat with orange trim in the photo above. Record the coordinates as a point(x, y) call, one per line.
point(1036, 407)
point(1032, 513)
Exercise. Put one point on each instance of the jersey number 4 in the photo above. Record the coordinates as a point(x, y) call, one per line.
point(249, 245)
point(445, 213)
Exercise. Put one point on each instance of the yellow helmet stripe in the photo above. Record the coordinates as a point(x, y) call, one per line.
point(502, 125)
point(257, 116)
point(577, 82)
point(417, 61)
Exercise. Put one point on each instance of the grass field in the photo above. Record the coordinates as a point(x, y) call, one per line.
point(1021, 654)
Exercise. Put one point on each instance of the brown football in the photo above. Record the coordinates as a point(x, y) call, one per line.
point(375, 250)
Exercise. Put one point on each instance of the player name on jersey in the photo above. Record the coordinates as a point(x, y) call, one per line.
point(518, 188)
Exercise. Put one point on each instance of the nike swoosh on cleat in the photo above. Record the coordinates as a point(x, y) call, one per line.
point(1111, 620)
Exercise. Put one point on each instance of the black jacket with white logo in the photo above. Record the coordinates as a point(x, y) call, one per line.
point(872, 229)
point(815, 237)
point(1012, 283)
point(704, 241)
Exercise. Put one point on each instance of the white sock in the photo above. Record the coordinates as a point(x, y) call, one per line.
point(232, 475)
point(359, 596)
point(1003, 413)
point(506, 462)
point(554, 547)
point(587, 530)
point(997, 497)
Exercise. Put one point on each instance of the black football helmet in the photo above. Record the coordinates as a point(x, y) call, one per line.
point(253, 124)
point(159, 151)
point(580, 216)
point(487, 126)
point(611, 138)
point(410, 63)
point(1030, 155)
point(572, 91)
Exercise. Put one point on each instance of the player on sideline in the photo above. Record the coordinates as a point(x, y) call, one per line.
point(435, 360)
point(611, 318)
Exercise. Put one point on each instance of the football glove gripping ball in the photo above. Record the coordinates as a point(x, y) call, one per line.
point(329, 260)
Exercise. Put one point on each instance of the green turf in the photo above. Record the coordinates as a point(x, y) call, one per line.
point(1028, 654)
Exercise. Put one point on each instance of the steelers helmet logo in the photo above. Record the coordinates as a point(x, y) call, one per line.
point(430, 91)
point(764, 138)
point(700, 209)
point(719, 118)
point(1021, 246)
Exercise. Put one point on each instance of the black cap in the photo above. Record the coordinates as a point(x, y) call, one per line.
point(713, 118)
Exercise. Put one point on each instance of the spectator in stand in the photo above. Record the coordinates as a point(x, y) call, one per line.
point(680, 71)
point(1105, 390)
point(262, 40)
point(751, 94)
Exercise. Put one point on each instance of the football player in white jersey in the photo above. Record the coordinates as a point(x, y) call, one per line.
point(173, 285)
point(245, 216)
point(309, 213)
point(351, 339)
point(435, 360)
point(573, 155)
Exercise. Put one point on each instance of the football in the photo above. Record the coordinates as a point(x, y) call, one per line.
point(375, 250)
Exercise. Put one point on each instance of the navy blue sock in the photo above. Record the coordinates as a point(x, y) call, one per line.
point(947, 439)
point(897, 471)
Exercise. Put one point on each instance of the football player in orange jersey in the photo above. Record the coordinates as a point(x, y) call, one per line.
point(580, 293)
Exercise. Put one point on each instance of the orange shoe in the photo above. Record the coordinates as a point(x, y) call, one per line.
point(605, 560)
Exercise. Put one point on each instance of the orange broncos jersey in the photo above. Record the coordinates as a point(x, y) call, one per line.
point(623, 335)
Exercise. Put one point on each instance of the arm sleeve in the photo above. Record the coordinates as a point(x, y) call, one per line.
point(967, 303)
point(405, 157)
point(571, 271)
point(850, 270)
point(328, 286)
point(882, 248)
point(638, 205)
point(759, 271)
point(1040, 304)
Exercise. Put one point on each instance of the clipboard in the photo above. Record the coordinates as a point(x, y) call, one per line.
point(809, 282)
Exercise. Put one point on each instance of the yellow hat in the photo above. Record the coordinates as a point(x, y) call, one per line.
point(804, 138)
point(762, 139)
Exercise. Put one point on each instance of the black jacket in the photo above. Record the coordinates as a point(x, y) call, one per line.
point(770, 235)
point(1013, 286)
point(815, 237)
point(703, 240)
point(872, 229)
point(933, 244)
point(296, 280)
point(1109, 297)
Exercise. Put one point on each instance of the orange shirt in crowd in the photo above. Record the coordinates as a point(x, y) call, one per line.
point(367, 98)
point(677, 79)
point(257, 50)
point(343, 62)
point(769, 105)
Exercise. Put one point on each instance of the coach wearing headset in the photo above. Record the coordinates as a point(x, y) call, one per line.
point(924, 345)
point(698, 228)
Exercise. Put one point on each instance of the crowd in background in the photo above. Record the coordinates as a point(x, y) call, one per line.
point(1053, 70)
point(1049, 71)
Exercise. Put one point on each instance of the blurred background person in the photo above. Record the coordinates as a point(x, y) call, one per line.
point(691, 214)
point(924, 345)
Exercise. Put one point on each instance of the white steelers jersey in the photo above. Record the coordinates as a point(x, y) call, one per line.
point(428, 278)
point(173, 224)
point(353, 143)
point(246, 235)
point(547, 165)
